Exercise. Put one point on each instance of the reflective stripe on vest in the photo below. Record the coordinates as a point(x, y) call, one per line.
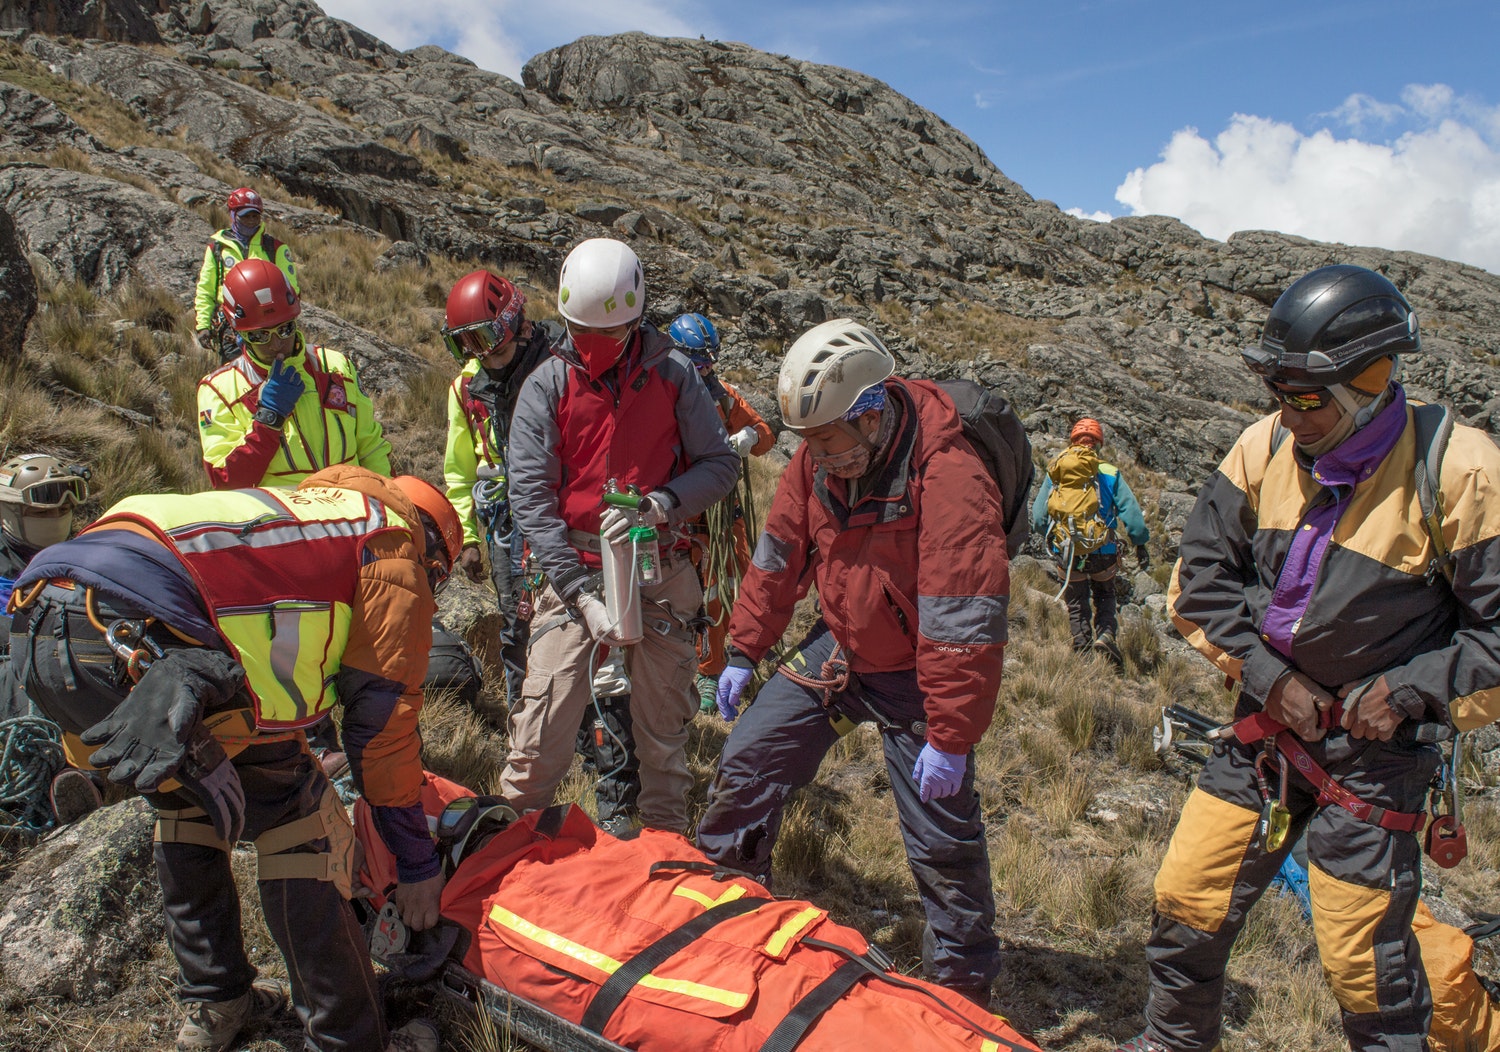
point(278, 571)
point(608, 965)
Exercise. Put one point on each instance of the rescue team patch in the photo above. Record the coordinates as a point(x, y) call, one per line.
point(205, 418)
point(337, 399)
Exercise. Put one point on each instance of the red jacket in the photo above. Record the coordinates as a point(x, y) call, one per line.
point(648, 421)
point(915, 575)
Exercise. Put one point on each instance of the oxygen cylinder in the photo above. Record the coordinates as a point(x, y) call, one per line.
point(622, 596)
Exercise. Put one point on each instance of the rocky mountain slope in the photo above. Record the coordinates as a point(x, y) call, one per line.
point(771, 192)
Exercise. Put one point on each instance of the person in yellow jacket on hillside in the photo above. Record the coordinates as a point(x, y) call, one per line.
point(184, 643)
point(485, 328)
point(283, 409)
point(244, 238)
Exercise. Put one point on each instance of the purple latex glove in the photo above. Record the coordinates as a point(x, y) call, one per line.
point(939, 774)
point(732, 683)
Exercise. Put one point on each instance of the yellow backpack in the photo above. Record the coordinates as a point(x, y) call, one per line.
point(1074, 526)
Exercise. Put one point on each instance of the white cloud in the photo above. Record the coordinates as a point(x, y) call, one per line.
point(1434, 189)
point(1097, 217)
point(501, 35)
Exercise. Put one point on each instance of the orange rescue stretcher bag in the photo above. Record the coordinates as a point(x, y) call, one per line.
point(646, 943)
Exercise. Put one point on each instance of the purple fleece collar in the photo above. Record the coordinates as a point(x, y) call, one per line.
point(1340, 469)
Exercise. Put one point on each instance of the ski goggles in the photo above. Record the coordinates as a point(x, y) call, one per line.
point(479, 339)
point(260, 336)
point(1303, 401)
point(55, 492)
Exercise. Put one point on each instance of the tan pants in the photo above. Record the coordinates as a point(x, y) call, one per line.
point(544, 726)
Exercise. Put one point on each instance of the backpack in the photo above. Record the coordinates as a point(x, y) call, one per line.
point(1433, 426)
point(452, 666)
point(998, 436)
point(1074, 526)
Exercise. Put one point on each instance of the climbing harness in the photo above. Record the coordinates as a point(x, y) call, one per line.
point(31, 754)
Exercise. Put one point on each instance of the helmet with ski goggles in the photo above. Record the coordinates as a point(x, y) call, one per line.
point(484, 312)
point(696, 337)
point(36, 480)
point(1331, 325)
point(37, 497)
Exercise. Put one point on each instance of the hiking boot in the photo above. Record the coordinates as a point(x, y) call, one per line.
point(420, 1035)
point(74, 793)
point(979, 994)
point(1147, 1043)
point(1143, 1043)
point(212, 1026)
point(1106, 645)
point(708, 693)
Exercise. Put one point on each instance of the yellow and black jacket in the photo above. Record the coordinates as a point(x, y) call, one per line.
point(1369, 603)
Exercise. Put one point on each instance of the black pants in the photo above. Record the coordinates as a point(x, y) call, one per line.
point(776, 747)
point(1364, 882)
point(1092, 578)
point(71, 675)
point(509, 578)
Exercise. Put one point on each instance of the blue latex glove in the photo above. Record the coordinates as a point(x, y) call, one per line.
point(282, 388)
point(939, 774)
point(732, 683)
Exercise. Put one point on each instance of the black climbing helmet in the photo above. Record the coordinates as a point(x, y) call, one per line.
point(1330, 325)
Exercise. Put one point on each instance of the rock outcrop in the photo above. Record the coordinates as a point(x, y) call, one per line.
point(17, 290)
point(773, 192)
point(80, 908)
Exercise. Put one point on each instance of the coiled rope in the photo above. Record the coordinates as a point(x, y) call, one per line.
point(31, 754)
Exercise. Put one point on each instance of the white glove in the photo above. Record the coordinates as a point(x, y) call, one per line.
point(742, 440)
point(596, 620)
point(654, 508)
point(614, 525)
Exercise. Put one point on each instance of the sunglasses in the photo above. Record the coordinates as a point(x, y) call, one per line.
point(1301, 401)
point(477, 340)
point(54, 493)
point(260, 336)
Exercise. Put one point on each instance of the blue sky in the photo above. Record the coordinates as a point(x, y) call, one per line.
point(1373, 123)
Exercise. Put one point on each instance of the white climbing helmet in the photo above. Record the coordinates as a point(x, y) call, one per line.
point(601, 284)
point(826, 371)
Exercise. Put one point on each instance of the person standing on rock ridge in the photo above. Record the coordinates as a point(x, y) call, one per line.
point(890, 511)
point(485, 328)
point(615, 402)
point(184, 643)
point(244, 238)
point(283, 409)
point(1360, 627)
point(1079, 509)
point(750, 436)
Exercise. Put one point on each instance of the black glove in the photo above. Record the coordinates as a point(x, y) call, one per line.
point(157, 733)
point(206, 339)
point(1142, 557)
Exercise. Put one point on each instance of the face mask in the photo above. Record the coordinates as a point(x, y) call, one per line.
point(40, 532)
point(598, 352)
point(850, 464)
point(243, 229)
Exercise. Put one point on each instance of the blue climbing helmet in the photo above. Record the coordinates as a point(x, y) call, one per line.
point(696, 337)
